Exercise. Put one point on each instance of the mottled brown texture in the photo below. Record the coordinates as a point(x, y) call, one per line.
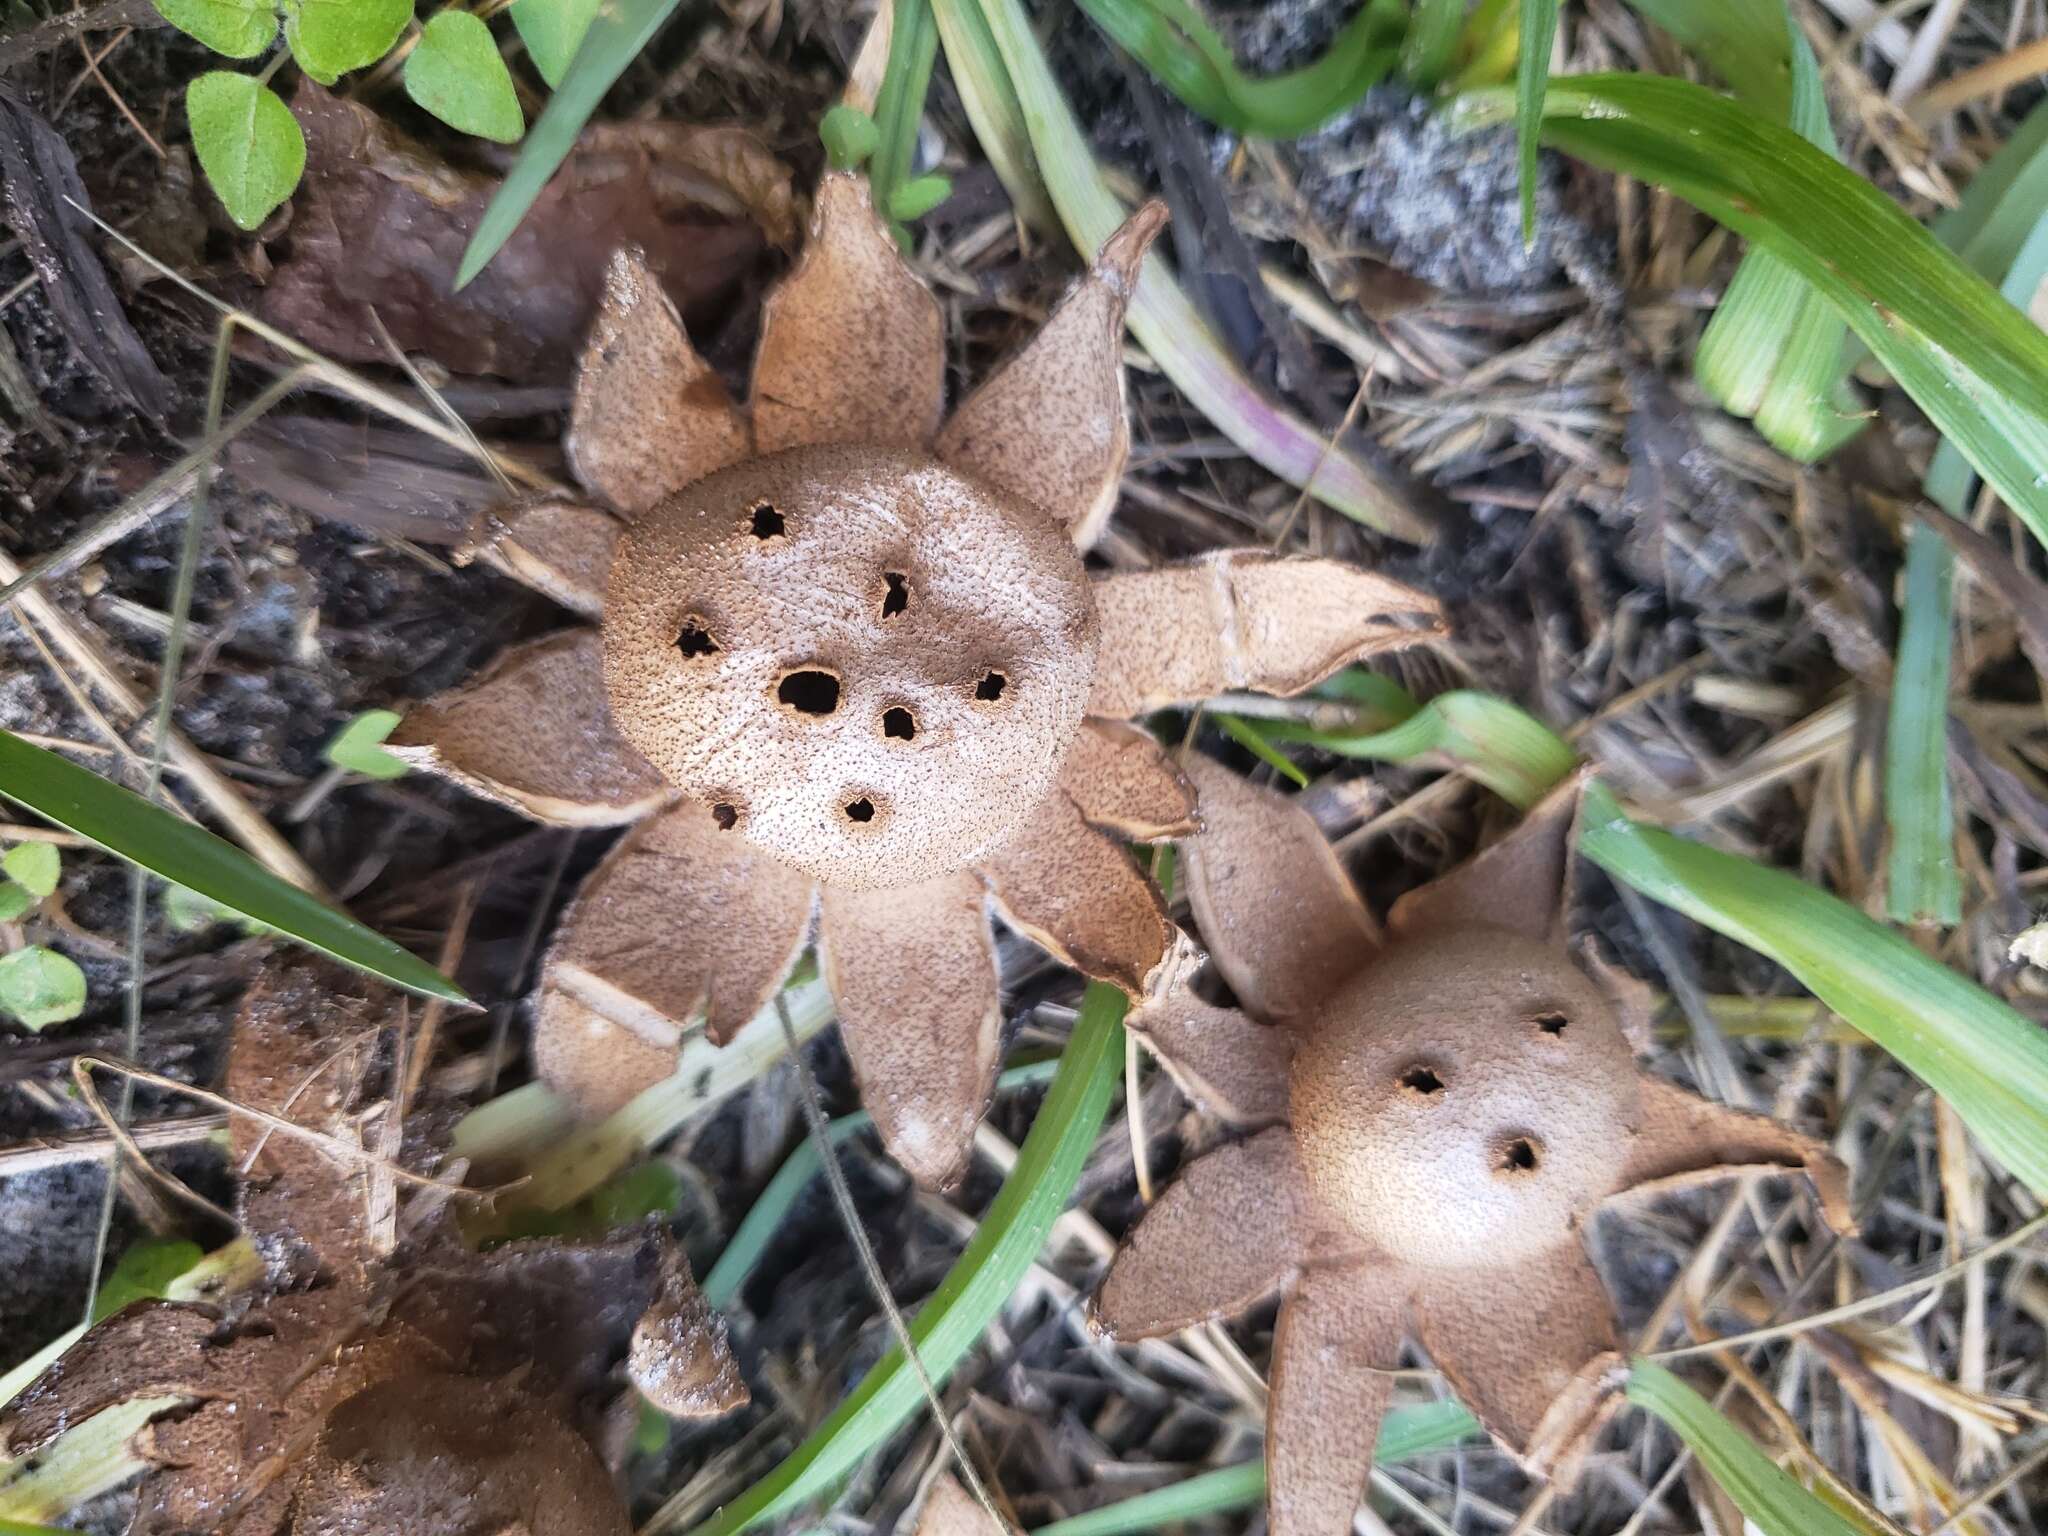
point(1461, 1101)
point(1243, 619)
point(852, 342)
point(533, 732)
point(913, 972)
point(1513, 1343)
point(594, 1062)
point(1231, 1230)
point(1679, 1139)
point(680, 1360)
point(380, 222)
point(303, 1041)
point(986, 585)
point(556, 545)
point(1226, 1061)
point(1075, 892)
point(1338, 1335)
point(1123, 781)
point(649, 415)
point(682, 920)
point(1519, 883)
point(1279, 915)
point(1050, 426)
point(950, 1510)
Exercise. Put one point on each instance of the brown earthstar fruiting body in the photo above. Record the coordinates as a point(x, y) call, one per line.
point(1445, 1108)
point(853, 681)
point(365, 1388)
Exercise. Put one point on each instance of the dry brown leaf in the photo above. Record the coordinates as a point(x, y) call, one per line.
point(381, 222)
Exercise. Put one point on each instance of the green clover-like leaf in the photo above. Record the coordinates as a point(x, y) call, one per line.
point(331, 37)
point(34, 865)
point(849, 136)
point(248, 143)
point(359, 747)
point(457, 74)
point(39, 987)
point(15, 900)
point(238, 29)
point(553, 31)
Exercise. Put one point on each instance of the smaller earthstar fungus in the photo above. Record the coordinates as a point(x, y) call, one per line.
point(1439, 1112)
point(382, 1377)
point(851, 677)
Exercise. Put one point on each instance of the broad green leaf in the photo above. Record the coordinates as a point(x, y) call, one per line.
point(553, 30)
point(1532, 81)
point(1741, 41)
point(331, 37)
point(247, 141)
point(1185, 54)
point(1975, 364)
point(1161, 316)
point(236, 29)
point(39, 987)
point(849, 136)
point(1968, 1045)
point(14, 900)
point(35, 866)
point(1770, 1498)
point(1004, 1246)
point(617, 34)
point(457, 74)
point(130, 827)
point(144, 1272)
point(360, 746)
point(1405, 1433)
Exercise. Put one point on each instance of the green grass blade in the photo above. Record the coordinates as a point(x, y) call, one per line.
point(899, 104)
point(1185, 54)
point(1248, 736)
point(1976, 365)
point(131, 828)
point(1532, 79)
point(1506, 749)
point(1921, 881)
point(1433, 30)
point(1404, 1434)
point(992, 110)
point(1776, 350)
point(2008, 201)
point(1741, 41)
point(1969, 1046)
point(1002, 1249)
point(1770, 1498)
point(620, 30)
point(1169, 327)
point(722, 1282)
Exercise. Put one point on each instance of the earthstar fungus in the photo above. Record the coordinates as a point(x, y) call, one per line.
point(852, 679)
point(372, 1384)
point(1445, 1107)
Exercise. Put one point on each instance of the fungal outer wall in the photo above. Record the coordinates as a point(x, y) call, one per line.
point(852, 683)
point(1438, 1112)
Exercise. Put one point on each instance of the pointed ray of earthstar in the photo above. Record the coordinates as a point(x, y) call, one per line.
point(1124, 782)
point(1336, 1343)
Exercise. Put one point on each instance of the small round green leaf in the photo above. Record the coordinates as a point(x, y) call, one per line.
point(360, 746)
point(240, 29)
point(331, 37)
point(15, 900)
point(915, 199)
point(35, 865)
point(457, 74)
point(553, 31)
point(849, 136)
point(39, 987)
point(248, 143)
